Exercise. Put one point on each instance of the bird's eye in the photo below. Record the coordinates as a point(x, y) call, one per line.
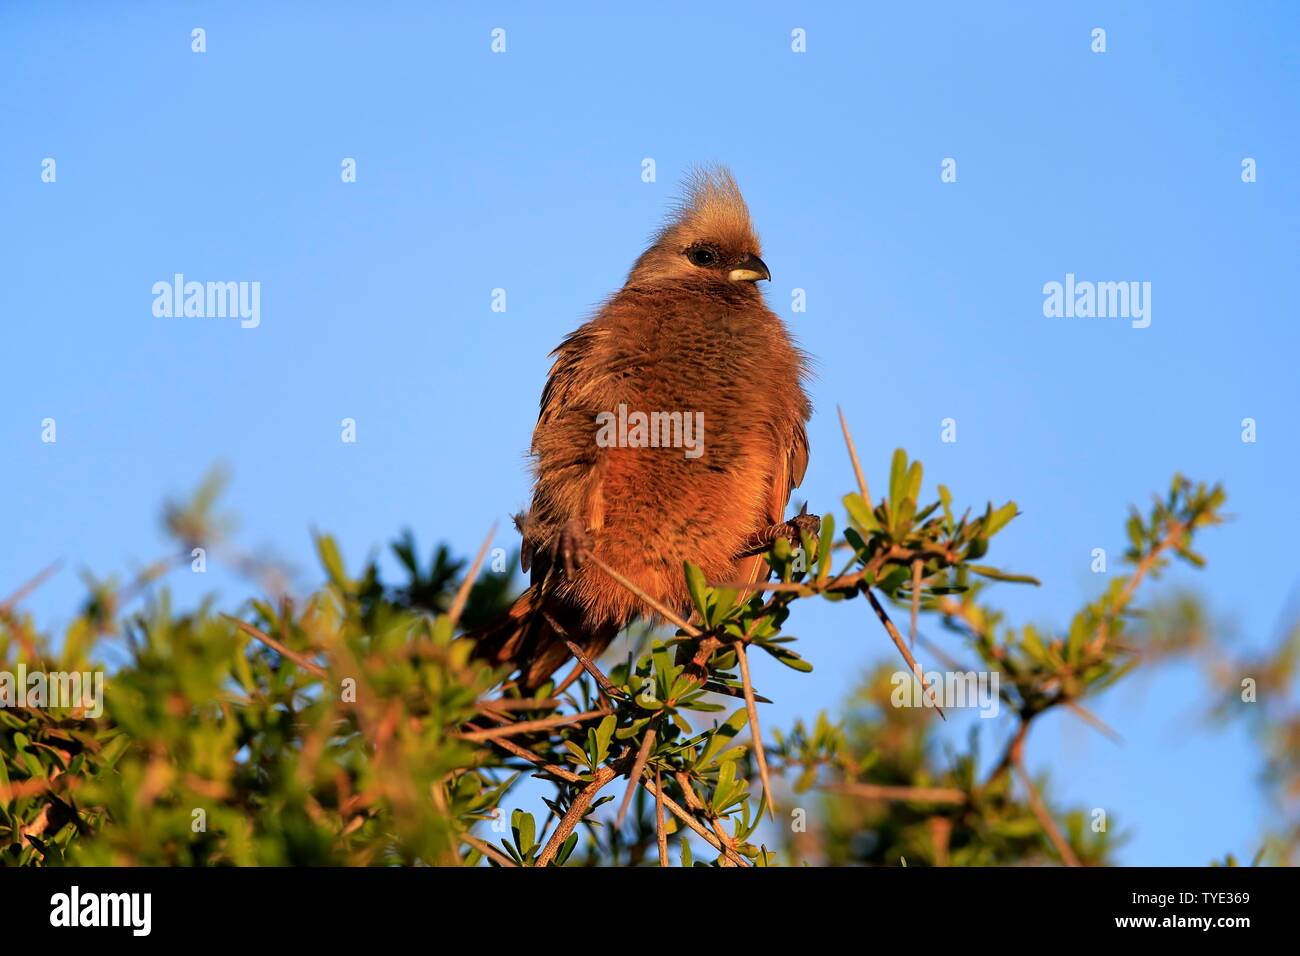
point(703, 255)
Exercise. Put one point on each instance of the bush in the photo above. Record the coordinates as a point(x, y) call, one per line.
point(351, 727)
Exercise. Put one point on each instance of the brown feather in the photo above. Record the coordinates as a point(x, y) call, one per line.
point(678, 337)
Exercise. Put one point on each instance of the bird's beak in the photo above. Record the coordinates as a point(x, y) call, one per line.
point(750, 269)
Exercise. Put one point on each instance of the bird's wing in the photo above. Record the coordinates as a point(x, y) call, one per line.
point(790, 475)
point(572, 375)
point(787, 476)
point(567, 459)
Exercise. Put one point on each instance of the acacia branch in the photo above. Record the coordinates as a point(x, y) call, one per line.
point(654, 604)
point(634, 777)
point(577, 810)
point(695, 825)
point(524, 726)
point(562, 772)
point(661, 831)
point(872, 791)
point(902, 648)
point(276, 646)
point(1171, 539)
point(853, 456)
point(752, 708)
point(462, 593)
point(1045, 819)
point(604, 683)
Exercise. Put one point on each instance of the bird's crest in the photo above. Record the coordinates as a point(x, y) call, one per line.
point(711, 211)
point(712, 204)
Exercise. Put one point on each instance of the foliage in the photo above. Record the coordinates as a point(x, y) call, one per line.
point(351, 726)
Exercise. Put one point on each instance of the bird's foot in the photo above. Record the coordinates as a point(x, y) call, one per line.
point(791, 530)
point(570, 548)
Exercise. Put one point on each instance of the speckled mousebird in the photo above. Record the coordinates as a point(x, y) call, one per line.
point(689, 332)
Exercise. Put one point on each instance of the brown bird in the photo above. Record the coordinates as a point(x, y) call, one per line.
point(690, 336)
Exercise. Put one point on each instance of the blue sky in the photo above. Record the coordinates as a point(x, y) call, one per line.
point(522, 171)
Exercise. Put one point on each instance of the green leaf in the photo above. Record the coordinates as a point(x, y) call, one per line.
point(825, 545)
point(725, 733)
point(699, 589)
point(914, 482)
point(787, 657)
point(723, 789)
point(328, 550)
point(894, 579)
point(665, 672)
point(604, 732)
point(1033, 644)
point(562, 857)
point(902, 519)
point(578, 752)
point(806, 780)
point(997, 575)
point(524, 829)
point(702, 706)
point(724, 599)
point(1135, 531)
point(999, 519)
point(856, 543)
point(897, 480)
point(860, 513)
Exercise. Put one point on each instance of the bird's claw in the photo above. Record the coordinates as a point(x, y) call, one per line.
point(791, 530)
point(803, 522)
point(571, 546)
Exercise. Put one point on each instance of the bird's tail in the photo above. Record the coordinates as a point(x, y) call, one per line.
point(531, 636)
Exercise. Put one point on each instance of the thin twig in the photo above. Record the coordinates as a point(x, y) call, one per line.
point(577, 810)
point(276, 646)
point(506, 704)
point(1171, 539)
point(487, 849)
point(655, 605)
point(695, 825)
point(562, 772)
point(872, 791)
point(752, 708)
point(590, 667)
point(1091, 719)
point(902, 648)
point(1045, 818)
point(940, 836)
point(462, 593)
point(569, 678)
point(693, 800)
point(722, 837)
point(660, 829)
point(39, 578)
point(634, 777)
point(916, 597)
point(523, 726)
point(896, 554)
point(853, 456)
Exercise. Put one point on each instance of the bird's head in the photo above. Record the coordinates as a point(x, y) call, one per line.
point(708, 238)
